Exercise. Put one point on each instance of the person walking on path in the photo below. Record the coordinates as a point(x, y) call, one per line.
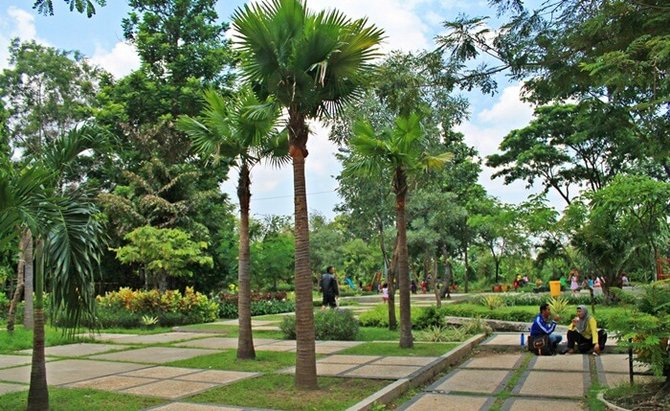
point(583, 335)
point(329, 288)
point(544, 325)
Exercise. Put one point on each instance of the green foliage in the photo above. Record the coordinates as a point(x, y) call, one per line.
point(429, 317)
point(328, 325)
point(492, 302)
point(163, 251)
point(261, 304)
point(379, 317)
point(127, 308)
point(559, 306)
point(435, 333)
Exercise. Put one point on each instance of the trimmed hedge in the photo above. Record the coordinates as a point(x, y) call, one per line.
point(340, 325)
point(261, 304)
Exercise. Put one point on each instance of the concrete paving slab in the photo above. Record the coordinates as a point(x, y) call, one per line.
point(328, 349)
point(504, 340)
point(277, 348)
point(112, 383)
point(215, 343)
point(476, 381)
point(618, 363)
point(169, 389)
point(161, 338)
point(555, 384)
point(217, 376)
point(573, 362)
point(14, 360)
point(349, 359)
point(324, 369)
point(112, 337)
point(186, 406)
point(416, 361)
point(154, 355)
point(6, 387)
point(161, 372)
point(526, 404)
point(442, 402)
point(383, 372)
point(491, 360)
point(69, 371)
point(78, 350)
point(341, 344)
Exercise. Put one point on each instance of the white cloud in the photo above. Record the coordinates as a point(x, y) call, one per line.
point(119, 61)
point(16, 23)
point(509, 112)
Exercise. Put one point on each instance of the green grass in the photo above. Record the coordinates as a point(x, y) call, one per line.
point(231, 330)
point(77, 399)
point(382, 348)
point(266, 361)
point(513, 381)
point(277, 391)
point(377, 334)
point(22, 339)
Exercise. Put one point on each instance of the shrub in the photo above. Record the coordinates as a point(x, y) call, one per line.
point(492, 302)
point(261, 303)
point(126, 308)
point(430, 317)
point(559, 306)
point(338, 325)
point(440, 334)
point(379, 317)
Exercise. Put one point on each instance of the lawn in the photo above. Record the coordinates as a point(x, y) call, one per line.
point(77, 399)
point(393, 349)
point(277, 391)
point(22, 339)
point(266, 361)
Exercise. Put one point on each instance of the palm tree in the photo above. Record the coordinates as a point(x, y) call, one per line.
point(401, 149)
point(67, 247)
point(313, 64)
point(238, 130)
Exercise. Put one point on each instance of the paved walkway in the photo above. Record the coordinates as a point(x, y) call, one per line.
point(499, 374)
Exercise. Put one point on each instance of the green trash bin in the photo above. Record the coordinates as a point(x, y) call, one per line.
point(555, 288)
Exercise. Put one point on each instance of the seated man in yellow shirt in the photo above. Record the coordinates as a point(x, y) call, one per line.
point(584, 333)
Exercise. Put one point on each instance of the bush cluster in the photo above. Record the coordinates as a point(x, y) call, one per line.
point(4, 305)
point(329, 324)
point(261, 304)
point(125, 308)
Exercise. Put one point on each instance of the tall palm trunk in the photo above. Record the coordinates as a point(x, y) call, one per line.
point(391, 279)
point(28, 284)
point(305, 363)
point(245, 342)
point(38, 394)
point(26, 238)
point(400, 186)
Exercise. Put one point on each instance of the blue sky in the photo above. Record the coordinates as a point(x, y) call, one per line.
point(409, 25)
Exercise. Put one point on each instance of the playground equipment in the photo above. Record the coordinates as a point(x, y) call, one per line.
point(376, 280)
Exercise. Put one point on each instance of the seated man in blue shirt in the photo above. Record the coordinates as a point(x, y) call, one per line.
point(542, 325)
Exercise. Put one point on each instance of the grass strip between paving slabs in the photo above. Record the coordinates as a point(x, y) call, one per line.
point(277, 391)
point(266, 361)
point(513, 381)
point(392, 349)
point(77, 399)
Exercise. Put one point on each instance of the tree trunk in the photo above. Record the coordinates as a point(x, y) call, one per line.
point(448, 277)
point(305, 362)
point(38, 394)
point(245, 341)
point(436, 289)
point(20, 279)
point(400, 185)
point(28, 285)
point(391, 279)
point(467, 270)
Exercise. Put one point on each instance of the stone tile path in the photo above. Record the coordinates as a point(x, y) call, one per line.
point(534, 383)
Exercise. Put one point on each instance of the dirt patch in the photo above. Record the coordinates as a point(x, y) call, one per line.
point(642, 398)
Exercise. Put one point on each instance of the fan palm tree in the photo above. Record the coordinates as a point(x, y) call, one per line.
point(67, 249)
point(313, 64)
point(244, 130)
point(402, 150)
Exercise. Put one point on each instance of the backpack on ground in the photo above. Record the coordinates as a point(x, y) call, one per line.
point(602, 338)
point(540, 345)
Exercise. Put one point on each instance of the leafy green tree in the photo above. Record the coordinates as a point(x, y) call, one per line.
point(568, 147)
point(46, 7)
point(629, 213)
point(162, 252)
point(234, 130)
point(312, 63)
point(68, 244)
point(46, 92)
point(274, 250)
point(400, 149)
